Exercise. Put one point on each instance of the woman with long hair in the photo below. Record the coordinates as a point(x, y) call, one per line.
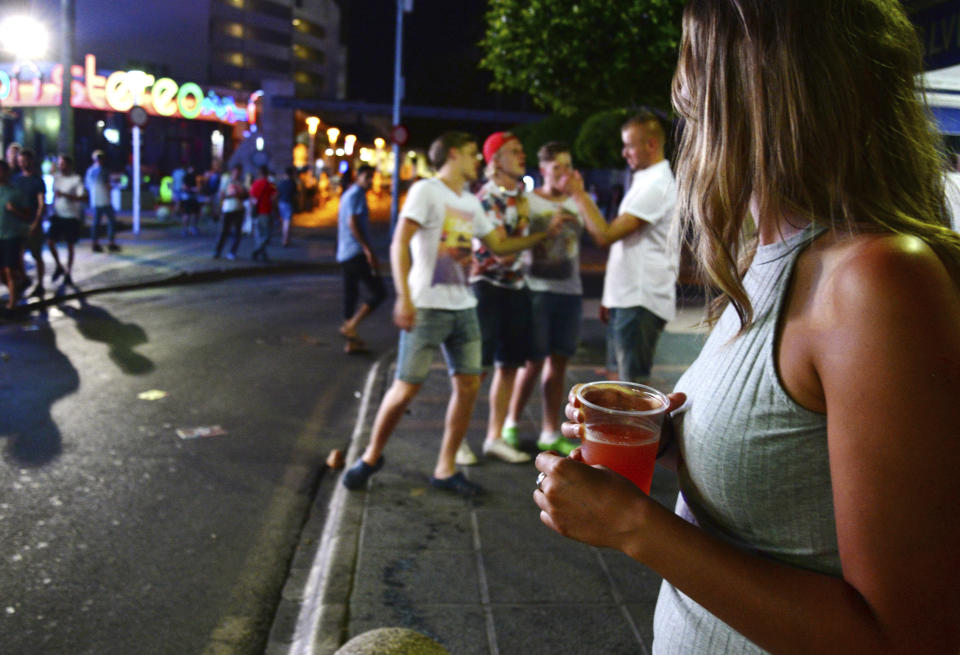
point(818, 453)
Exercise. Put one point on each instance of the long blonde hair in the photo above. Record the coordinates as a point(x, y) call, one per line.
point(809, 107)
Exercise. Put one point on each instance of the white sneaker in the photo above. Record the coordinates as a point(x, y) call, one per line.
point(504, 451)
point(465, 456)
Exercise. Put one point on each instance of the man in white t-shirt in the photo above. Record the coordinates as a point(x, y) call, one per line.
point(435, 309)
point(68, 196)
point(639, 286)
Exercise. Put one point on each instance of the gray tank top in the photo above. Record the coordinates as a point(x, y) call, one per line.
point(755, 468)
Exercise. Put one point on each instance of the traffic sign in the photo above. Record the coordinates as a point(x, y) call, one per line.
point(137, 116)
point(399, 135)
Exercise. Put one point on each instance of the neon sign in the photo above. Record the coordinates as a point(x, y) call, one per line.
point(120, 91)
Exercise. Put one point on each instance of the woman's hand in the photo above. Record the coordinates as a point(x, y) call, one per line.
point(573, 428)
point(590, 504)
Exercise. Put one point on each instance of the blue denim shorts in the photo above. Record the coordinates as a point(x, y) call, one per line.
point(555, 328)
point(456, 332)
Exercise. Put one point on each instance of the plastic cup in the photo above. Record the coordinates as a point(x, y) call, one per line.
point(622, 422)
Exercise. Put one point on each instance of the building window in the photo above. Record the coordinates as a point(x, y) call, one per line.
point(232, 58)
point(232, 29)
point(308, 79)
point(308, 54)
point(307, 27)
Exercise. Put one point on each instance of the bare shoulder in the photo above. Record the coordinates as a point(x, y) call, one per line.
point(873, 277)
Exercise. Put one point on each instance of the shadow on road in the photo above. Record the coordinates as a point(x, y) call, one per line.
point(34, 377)
point(97, 324)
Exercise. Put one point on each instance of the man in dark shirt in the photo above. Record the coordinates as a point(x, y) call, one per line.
point(33, 190)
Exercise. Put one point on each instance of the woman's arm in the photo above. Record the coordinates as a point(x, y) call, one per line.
point(884, 342)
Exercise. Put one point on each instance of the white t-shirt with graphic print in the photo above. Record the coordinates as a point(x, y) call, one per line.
point(441, 249)
point(554, 264)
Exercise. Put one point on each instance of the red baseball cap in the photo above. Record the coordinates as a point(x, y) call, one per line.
point(494, 142)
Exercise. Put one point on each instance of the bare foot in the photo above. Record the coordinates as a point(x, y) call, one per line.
point(347, 332)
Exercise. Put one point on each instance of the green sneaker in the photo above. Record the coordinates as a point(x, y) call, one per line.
point(560, 445)
point(510, 436)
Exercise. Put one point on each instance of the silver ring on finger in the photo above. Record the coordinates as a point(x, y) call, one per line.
point(540, 479)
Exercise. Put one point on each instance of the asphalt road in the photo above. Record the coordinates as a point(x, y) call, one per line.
point(117, 535)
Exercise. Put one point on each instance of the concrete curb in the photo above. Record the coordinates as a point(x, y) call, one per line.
point(312, 615)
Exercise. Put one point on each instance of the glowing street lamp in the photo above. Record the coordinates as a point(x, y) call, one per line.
point(348, 142)
point(313, 122)
point(24, 37)
point(332, 134)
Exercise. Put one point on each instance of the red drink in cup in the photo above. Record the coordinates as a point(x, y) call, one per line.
point(622, 422)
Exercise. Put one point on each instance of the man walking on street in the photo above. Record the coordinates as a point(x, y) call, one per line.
point(639, 286)
point(68, 195)
point(98, 185)
point(33, 191)
point(435, 308)
point(232, 193)
point(263, 193)
point(356, 258)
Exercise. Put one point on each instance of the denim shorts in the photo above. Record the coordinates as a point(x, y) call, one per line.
point(555, 324)
point(285, 210)
point(632, 334)
point(504, 316)
point(456, 332)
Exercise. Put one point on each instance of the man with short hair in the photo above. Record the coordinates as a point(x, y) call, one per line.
point(13, 158)
point(34, 191)
point(231, 195)
point(357, 259)
point(68, 196)
point(639, 285)
point(552, 270)
point(97, 180)
point(434, 308)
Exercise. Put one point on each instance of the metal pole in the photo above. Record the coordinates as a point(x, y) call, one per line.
point(397, 98)
point(67, 37)
point(136, 179)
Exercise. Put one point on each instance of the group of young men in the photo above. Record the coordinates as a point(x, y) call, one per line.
point(493, 281)
point(22, 208)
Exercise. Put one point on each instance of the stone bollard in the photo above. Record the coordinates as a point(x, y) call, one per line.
point(392, 641)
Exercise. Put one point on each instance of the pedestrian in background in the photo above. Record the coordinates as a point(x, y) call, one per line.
point(263, 193)
point(286, 197)
point(356, 257)
point(233, 191)
point(33, 194)
point(14, 222)
point(190, 202)
point(68, 197)
point(819, 450)
point(97, 180)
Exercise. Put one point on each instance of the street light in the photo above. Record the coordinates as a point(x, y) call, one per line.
point(24, 37)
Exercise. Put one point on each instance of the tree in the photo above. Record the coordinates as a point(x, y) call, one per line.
point(583, 55)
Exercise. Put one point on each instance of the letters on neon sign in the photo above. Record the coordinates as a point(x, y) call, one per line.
point(120, 91)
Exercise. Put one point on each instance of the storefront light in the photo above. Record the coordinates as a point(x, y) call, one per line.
point(528, 183)
point(379, 143)
point(339, 152)
point(313, 122)
point(328, 152)
point(100, 125)
point(259, 143)
point(332, 134)
point(112, 135)
point(349, 142)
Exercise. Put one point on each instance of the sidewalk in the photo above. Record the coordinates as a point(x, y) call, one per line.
point(481, 576)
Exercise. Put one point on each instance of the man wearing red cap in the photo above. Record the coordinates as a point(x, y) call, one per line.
point(503, 300)
point(434, 307)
